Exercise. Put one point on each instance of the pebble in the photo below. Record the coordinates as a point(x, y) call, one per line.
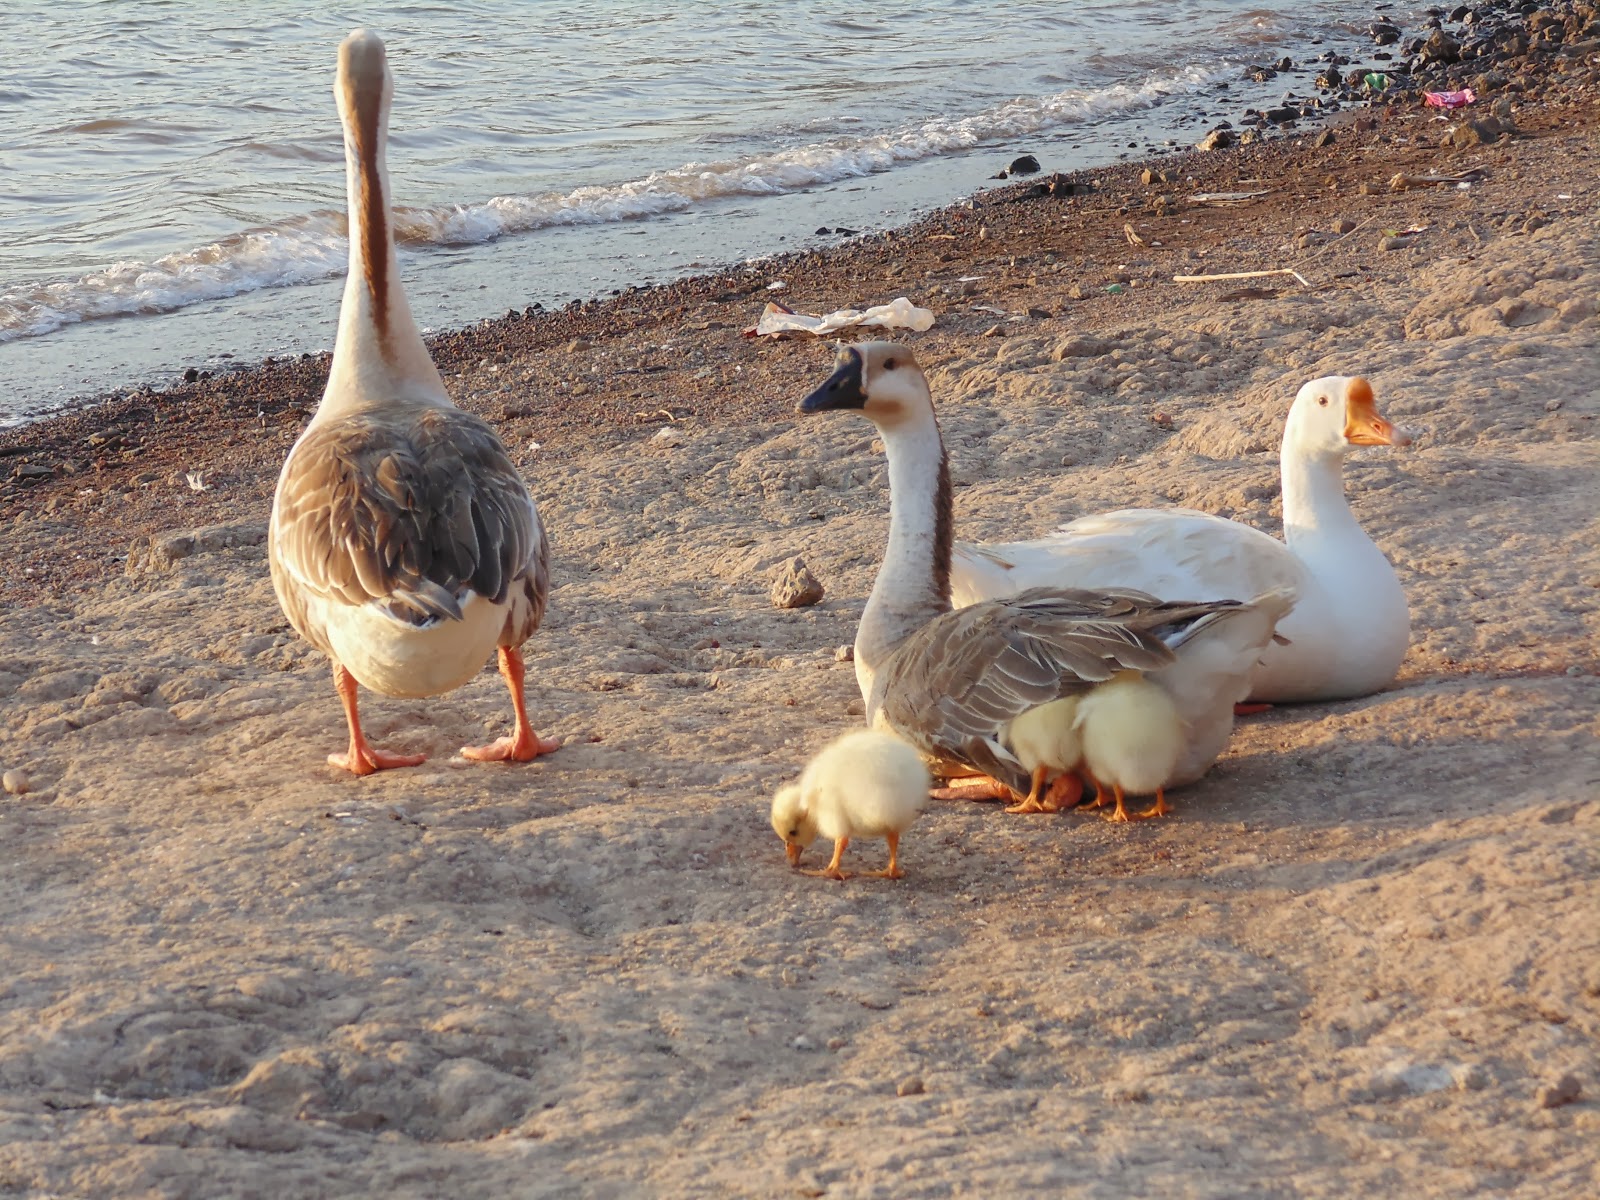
point(910, 1086)
point(1566, 1090)
point(802, 1042)
point(1394, 243)
point(845, 654)
point(794, 586)
point(1552, 405)
point(16, 782)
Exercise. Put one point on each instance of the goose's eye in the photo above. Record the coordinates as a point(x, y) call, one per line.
point(1322, 400)
point(888, 364)
point(794, 833)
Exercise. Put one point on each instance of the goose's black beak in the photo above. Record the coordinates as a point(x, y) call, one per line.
point(843, 389)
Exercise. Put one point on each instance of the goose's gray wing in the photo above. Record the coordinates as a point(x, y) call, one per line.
point(408, 511)
point(952, 686)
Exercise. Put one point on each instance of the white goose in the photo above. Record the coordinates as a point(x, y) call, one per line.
point(403, 544)
point(1350, 626)
point(951, 682)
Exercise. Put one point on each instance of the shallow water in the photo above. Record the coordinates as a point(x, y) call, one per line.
point(173, 188)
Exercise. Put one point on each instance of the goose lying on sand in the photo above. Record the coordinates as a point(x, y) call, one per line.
point(1350, 626)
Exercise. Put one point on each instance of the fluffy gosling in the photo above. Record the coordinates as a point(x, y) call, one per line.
point(864, 784)
point(1132, 738)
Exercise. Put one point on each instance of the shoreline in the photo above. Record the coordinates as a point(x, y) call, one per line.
point(1253, 91)
point(125, 460)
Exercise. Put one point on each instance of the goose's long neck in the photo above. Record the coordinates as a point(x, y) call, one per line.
point(913, 584)
point(379, 353)
point(1316, 516)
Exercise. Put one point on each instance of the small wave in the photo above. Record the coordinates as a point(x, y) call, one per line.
point(314, 247)
point(299, 252)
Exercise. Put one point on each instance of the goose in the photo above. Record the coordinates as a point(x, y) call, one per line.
point(1350, 627)
point(950, 681)
point(863, 784)
point(403, 544)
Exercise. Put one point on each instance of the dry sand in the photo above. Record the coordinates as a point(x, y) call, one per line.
point(1354, 962)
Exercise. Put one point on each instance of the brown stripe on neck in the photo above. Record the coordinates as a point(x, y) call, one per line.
point(944, 521)
point(374, 212)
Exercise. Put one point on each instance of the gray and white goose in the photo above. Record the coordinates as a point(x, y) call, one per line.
point(950, 682)
point(403, 544)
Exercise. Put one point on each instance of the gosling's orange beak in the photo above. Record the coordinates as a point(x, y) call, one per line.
point(1362, 424)
point(792, 851)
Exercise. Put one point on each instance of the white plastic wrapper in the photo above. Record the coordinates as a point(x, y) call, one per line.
point(778, 320)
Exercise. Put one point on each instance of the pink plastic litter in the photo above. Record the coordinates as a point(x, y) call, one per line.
point(1450, 99)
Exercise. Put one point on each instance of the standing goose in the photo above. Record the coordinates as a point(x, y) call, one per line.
point(1350, 627)
point(951, 682)
point(403, 544)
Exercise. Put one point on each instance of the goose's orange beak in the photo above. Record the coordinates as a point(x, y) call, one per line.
point(1362, 424)
point(792, 851)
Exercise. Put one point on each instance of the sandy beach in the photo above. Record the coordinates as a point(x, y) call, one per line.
point(1362, 957)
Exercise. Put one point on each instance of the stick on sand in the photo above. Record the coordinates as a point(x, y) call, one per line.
point(1240, 275)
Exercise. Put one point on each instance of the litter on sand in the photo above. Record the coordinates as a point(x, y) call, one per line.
point(1227, 197)
point(1449, 99)
point(779, 320)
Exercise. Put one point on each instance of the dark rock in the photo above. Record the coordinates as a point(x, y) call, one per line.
point(1060, 185)
point(1440, 48)
point(1285, 64)
point(191, 375)
point(1027, 164)
point(1325, 138)
point(1217, 139)
point(1282, 115)
point(1383, 33)
point(1566, 1090)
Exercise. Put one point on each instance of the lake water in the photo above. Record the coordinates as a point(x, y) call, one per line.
point(171, 178)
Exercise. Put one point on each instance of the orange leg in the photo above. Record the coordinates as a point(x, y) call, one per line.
point(1030, 803)
point(1121, 811)
point(892, 871)
point(1099, 800)
point(984, 789)
point(1249, 710)
point(524, 745)
point(362, 759)
point(1158, 809)
point(831, 871)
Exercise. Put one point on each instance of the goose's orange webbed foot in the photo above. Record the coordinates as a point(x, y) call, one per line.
point(523, 745)
point(361, 758)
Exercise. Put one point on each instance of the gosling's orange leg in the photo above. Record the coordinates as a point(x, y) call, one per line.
point(523, 745)
point(361, 758)
point(1030, 803)
point(983, 789)
point(1121, 811)
point(1158, 809)
point(831, 871)
point(892, 871)
point(1099, 800)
